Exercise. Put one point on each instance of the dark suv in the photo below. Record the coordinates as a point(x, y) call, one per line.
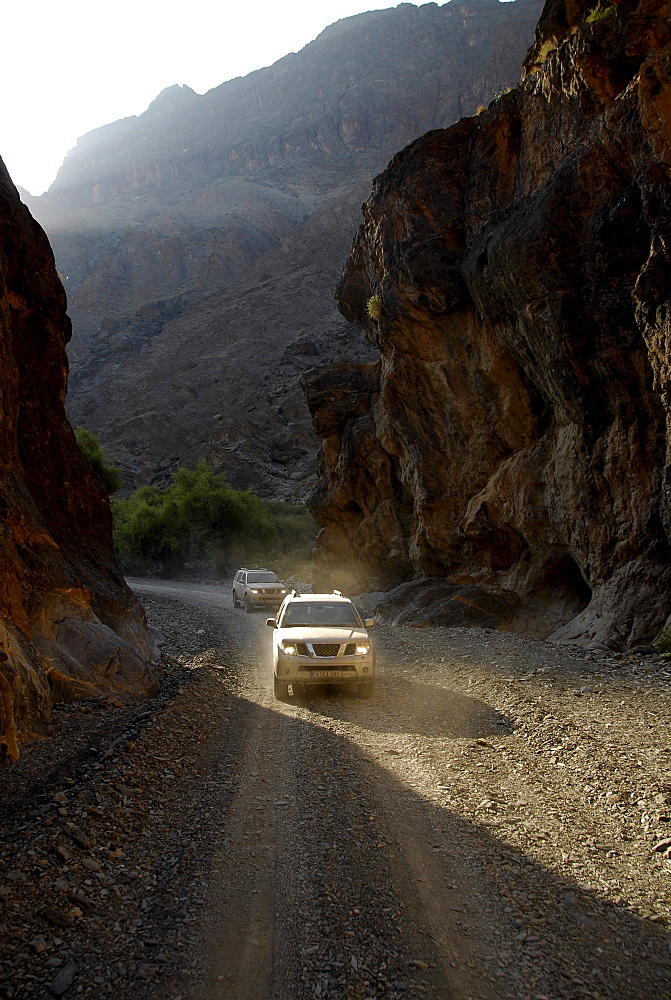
point(257, 588)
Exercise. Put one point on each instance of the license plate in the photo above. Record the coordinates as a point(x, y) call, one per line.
point(328, 673)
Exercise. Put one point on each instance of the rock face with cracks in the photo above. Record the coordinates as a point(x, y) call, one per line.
point(515, 432)
point(69, 626)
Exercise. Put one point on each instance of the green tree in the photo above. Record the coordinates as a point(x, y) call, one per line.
point(93, 452)
point(220, 519)
point(200, 516)
point(148, 528)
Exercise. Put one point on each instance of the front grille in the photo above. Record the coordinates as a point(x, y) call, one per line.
point(326, 648)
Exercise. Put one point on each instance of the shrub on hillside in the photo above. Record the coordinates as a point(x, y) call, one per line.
point(93, 452)
point(374, 307)
point(599, 13)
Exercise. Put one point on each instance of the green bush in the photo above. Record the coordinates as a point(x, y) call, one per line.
point(201, 517)
point(599, 13)
point(93, 452)
point(374, 307)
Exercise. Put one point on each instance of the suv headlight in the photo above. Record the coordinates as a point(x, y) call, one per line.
point(253, 591)
point(289, 648)
point(362, 648)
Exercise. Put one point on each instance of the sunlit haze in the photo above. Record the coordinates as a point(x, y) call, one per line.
point(68, 68)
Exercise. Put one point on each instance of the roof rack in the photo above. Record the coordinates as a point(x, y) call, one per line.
point(336, 593)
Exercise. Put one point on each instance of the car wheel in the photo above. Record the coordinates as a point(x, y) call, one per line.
point(280, 689)
point(235, 600)
point(366, 689)
point(248, 607)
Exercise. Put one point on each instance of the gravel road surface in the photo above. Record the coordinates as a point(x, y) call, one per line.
point(494, 823)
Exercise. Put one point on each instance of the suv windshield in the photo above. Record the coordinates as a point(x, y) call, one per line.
point(262, 578)
point(319, 613)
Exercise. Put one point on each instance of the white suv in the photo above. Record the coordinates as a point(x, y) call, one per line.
point(321, 639)
point(257, 588)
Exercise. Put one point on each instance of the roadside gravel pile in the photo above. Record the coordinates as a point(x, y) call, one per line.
point(494, 825)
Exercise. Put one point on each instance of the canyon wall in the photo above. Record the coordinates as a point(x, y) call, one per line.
point(69, 626)
point(513, 271)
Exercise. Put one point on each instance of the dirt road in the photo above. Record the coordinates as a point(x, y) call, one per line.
point(487, 826)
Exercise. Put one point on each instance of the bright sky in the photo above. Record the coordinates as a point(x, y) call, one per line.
point(72, 66)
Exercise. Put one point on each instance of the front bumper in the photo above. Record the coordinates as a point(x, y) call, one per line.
point(324, 669)
point(265, 600)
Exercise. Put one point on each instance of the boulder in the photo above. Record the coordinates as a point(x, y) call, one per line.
point(434, 602)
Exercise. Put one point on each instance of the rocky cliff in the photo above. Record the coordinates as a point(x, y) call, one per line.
point(513, 271)
point(193, 239)
point(69, 626)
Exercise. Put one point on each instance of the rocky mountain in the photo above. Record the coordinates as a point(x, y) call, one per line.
point(199, 243)
point(514, 432)
point(69, 625)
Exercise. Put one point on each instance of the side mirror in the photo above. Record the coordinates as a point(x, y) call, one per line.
point(272, 622)
point(369, 622)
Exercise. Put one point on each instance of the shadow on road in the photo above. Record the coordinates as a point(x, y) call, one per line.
point(409, 706)
point(563, 939)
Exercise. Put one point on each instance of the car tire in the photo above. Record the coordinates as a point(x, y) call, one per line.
point(248, 607)
point(366, 689)
point(280, 689)
point(235, 600)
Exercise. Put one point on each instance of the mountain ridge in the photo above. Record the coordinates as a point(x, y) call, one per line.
point(152, 216)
